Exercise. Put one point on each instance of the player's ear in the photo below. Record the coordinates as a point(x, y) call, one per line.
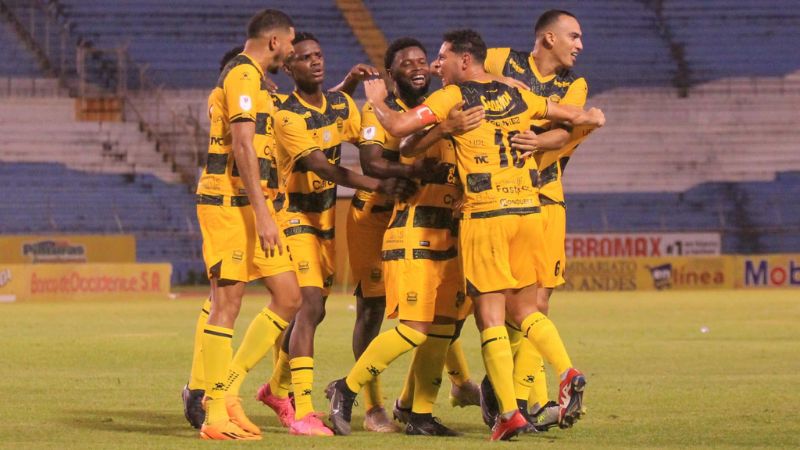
point(273, 43)
point(549, 39)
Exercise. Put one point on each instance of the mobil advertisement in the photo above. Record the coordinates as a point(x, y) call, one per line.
point(768, 271)
point(57, 282)
point(67, 248)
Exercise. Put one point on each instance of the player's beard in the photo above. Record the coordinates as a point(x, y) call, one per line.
point(409, 92)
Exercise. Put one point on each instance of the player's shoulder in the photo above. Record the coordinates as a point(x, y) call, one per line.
point(393, 102)
point(278, 99)
point(292, 105)
point(568, 76)
point(339, 104)
point(241, 67)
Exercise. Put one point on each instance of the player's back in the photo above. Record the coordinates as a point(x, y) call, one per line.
point(494, 175)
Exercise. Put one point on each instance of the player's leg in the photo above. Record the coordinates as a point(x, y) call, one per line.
point(364, 239)
point(195, 389)
point(402, 290)
point(227, 250)
point(263, 332)
point(486, 263)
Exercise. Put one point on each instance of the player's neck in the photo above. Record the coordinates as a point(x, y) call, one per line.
point(476, 73)
point(311, 94)
point(410, 99)
point(256, 53)
point(546, 64)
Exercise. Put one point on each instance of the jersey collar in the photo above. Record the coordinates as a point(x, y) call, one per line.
point(255, 63)
point(320, 110)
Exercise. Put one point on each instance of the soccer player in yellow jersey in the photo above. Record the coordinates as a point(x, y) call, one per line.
point(419, 260)
point(241, 240)
point(310, 127)
point(546, 71)
point(501, 232)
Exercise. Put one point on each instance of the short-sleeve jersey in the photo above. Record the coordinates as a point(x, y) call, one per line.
point(372, 132)
point(428, 215)
point(301, 128)
point(496, 180)
point(565, 88)
point(240, 95)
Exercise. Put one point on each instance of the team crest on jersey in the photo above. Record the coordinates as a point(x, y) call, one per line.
point(245, 102)
point(303, 266)
point(555, 98)
point(339, 123)
point(368, 133)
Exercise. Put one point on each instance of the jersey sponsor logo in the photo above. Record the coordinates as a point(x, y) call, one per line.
point(482, 159)
point(515, 66)
point(245, 102)
point(339, 106)
point(497, 104)
point(368, 133)
point(217, 140)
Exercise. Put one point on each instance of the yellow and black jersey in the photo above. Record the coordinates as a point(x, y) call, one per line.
point(564, 87)
point(372, 132)
point(424, 225)
point(302, 128)
point(240, 95)
point(496, 181)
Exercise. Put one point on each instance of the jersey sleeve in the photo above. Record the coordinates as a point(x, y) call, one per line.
point(576, 93)
point(537, 105)
point(241, 87)
point(496, 60)
point(372, 132)
point(351, 130)
point(293, 136)
point(442, 101)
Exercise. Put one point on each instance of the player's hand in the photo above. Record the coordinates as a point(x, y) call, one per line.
point(361, 72)
point(271, 86)
point(269, 237)
point(375, 90)
point(429, 169)
point(401, 188)
point(460, 121)
point(593, 117)
point(526, 142)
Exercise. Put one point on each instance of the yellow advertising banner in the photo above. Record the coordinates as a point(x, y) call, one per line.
point(645, 274)
point(67, 248)
point(768, 271)
point(126, 281)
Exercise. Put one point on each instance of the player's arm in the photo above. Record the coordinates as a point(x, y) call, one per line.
point(244, 154)
point(396, 123)
point(317, 162)
point(357, 74)
point(458, 121)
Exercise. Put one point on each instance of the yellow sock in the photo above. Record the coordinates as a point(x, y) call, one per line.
point(515, 337)
point(538, 394)
point(499, 366)
point(525, 367)
point(456, 364)
point(373, 396)
point(384, 349)
point(197, 375)
point(406, 397)
point(260, 337)
point(303, 385)
point(542, 332)
point(281, 382)
point(429, 362)
point(217, 353)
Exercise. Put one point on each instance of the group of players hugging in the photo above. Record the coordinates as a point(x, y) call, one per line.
point(459, 210)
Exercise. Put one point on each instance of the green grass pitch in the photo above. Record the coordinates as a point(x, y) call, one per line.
point(108, 374)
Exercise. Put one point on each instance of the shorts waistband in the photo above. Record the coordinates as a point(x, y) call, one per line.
point(235, 201)
point(505, 212)
point(420, 253)
point(361, 204)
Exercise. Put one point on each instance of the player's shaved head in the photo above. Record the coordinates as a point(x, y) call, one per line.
point(398, 45)
point(268, 20)
point(549, 18)
point(304, 36)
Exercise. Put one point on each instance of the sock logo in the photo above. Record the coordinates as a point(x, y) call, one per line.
point(437, 381)
point(306, 392)
point(373, 371)
point(529, 379)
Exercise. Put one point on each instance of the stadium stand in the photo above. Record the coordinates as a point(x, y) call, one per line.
point(611, 55)
point(15, 59)
point(182, 41)
point(733, 38)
